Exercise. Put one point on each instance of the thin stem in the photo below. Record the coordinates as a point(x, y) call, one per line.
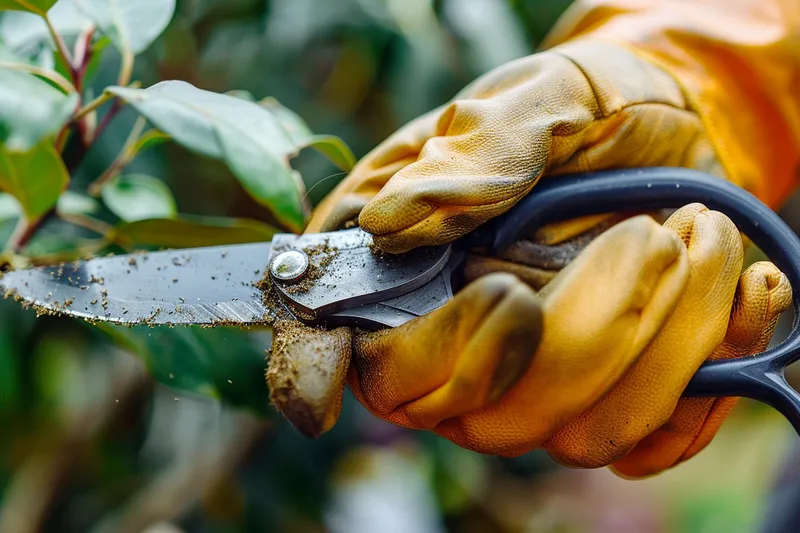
point(82, 55)
point(115, 108)
point(87, 128)
point(133, 137)
point(25, 231)
point(92, 224)
point(63, 83)
point(81, 153)
point(125, 156)
point(91, 106)
point(126, 70)
point(16, 236)
point(62, 138)
point(86, 118)
point(61, 46)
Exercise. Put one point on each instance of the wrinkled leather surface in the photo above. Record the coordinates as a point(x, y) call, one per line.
point(624, 327)
point(591, 367)
point(577, 107)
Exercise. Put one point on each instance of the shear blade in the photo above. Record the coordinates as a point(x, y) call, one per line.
point(213, 285)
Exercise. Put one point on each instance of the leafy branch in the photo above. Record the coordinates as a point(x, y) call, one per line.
point(256, 140)
point(53, 123)
point(61, 46)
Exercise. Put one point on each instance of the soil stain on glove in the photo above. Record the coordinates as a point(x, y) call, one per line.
point(306, 374)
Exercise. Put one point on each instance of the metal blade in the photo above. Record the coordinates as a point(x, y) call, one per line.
point(213, 285)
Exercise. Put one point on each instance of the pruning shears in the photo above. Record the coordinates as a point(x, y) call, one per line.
point(338, 278)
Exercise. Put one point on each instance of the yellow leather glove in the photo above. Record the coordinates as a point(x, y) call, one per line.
point(578, 107)
point(604, 366)
point(598, 380)
point(591, 368)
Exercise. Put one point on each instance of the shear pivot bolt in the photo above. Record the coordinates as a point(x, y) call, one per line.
point(289, 266)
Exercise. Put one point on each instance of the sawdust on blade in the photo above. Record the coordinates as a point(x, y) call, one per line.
point(320, 257)
point(307, 365)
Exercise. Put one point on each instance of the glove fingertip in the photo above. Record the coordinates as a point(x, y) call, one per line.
point(306, 374)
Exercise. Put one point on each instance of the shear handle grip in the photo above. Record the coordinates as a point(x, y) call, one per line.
point(562, 197)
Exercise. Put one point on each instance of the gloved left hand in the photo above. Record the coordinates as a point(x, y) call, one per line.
point(578, 107)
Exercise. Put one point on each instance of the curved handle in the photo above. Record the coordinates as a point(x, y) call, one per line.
point(563, 197)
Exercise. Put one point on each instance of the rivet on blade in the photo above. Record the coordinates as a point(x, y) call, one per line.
point(289, 266)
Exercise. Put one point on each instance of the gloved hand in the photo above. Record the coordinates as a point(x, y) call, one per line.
point(621, 83)
point(591, 368)
point(578, 107)
point(596, 379)
point(619, 340)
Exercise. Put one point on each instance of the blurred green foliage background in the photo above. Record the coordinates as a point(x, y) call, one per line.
point(92, 441)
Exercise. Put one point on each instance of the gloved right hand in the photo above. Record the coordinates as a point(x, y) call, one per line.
point(599, 380)
point(628, 84)
point(591, 368)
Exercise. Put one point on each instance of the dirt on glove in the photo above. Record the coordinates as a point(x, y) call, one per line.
point(306, 374)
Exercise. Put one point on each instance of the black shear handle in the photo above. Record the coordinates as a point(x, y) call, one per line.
point(557, 198)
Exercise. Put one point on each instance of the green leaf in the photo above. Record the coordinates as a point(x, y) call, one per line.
point(128, 24)
point(35, 178)
point(298, 131)
point(7, 54)
point(27, 34)
point(335, 149)
point(332, 147)
point(11, 56)
point(243, 95)
point(40, 7)
point(9, 207)
point(131, 25)
point(139, 197)
point(30, 110)
point(190, 232)
point(74, 203)
point(248, 137)
point(69, 203)
point(149, 139)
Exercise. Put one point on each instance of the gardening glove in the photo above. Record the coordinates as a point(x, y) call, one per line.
point(592, 365)
point(621, 84)
point(577, 107)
